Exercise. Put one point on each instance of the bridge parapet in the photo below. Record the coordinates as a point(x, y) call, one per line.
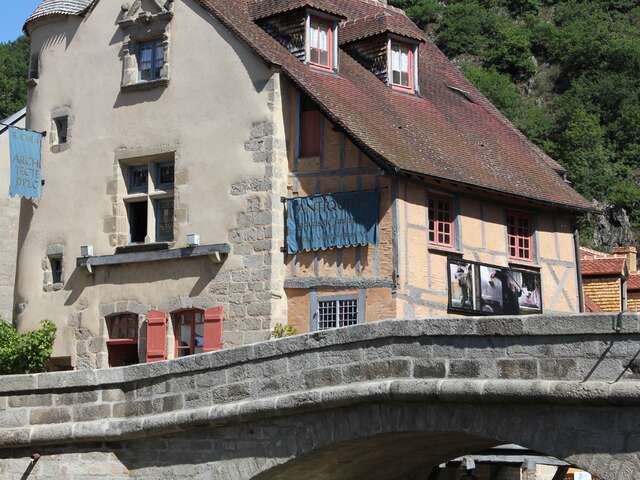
point(581, 359)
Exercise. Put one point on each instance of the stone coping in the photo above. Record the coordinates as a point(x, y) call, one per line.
point(397, 390)
point(534, 325)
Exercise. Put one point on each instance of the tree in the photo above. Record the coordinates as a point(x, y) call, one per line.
point(28, 352)
point(14, 64)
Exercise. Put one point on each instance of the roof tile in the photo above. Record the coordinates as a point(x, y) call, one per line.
point(440, 134)
point(603, 266)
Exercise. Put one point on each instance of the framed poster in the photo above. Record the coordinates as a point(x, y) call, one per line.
point(482, 289)
point(462, 286)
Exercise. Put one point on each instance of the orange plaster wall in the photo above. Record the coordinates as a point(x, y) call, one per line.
point(379, 305)
point(481, 222)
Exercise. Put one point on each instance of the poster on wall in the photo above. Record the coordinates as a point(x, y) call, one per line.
point(492, 290)
point(462, 286)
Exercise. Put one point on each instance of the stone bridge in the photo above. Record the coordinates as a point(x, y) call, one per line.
point(386, 401)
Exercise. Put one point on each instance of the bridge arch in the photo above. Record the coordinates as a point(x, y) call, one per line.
point(422, 391)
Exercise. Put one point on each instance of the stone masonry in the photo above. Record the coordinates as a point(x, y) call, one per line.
point(567, 386)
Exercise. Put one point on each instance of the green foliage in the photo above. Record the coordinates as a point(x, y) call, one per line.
point(14, 63)
point(28, 352)
point(563, 71)
point(281, 331)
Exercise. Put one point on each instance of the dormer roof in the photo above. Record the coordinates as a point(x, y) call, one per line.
point(260, 9)
point(380, 23)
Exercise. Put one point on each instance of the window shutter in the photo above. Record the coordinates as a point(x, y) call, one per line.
point(310, 134)
point(156, 336)
point(213, 328)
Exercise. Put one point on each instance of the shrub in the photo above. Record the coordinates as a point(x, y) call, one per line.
point(26, 352)
point(281, 331)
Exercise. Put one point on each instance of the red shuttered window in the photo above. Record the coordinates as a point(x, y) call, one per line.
point(213, 318)
point(197, 331)
point(440, 221)
point(520, 236)
point(156, 336)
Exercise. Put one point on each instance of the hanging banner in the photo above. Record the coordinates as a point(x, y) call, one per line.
point(336, 220)
point(24, 151)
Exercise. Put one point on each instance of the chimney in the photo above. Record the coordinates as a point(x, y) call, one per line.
point(632, 256)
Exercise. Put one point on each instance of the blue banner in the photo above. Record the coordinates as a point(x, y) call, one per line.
point(335, 220)
point(24, 150)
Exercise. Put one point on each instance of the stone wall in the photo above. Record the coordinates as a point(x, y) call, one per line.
point(9, 219)
point(574, 368)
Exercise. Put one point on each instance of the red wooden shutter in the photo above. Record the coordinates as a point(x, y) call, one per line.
point(310, 137)
point(213, 328)
point(156, 336)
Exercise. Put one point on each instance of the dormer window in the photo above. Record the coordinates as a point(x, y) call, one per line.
point(321, 42)
point(402, 66)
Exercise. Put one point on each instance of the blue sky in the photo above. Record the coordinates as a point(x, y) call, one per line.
point(14, 13)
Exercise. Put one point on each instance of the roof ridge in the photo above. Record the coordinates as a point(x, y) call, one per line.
point(366, 17)
point(386, 6)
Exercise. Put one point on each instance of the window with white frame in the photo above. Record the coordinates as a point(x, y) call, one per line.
point(402, 65)
point(321, 35)
point(149, 200)
point(334, 313)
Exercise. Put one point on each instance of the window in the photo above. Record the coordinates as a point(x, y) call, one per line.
point(123, 326)
point(56, 269)
point(150, 201)
point(164, 220)
point(337, 313)
point(62, 125)
point(189, 332)
point(137, 222)
point(138, 179)
point(122, 344)
point(34, 67)
point(401, 66)
point(150, 60)
point(165, 175)
point(520, 236)
point(321, 43)
point(310, 130)
point(440, 221)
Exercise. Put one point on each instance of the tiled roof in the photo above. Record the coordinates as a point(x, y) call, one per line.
point(591, 306)
point(604, 266)
point(441, 134)
point(634, 281)
point(376, 24)
point(59, 7)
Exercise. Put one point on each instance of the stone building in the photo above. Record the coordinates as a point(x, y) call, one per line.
point(9, 213)
point(216, 167)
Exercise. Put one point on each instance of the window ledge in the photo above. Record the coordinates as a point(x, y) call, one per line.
point(524, 264)
point(148, 85)
point(445, 250)
point(216, 254)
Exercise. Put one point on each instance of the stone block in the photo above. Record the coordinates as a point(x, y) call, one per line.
point(323, 377)
point(112, 395)
point(39, 416)
point(464, 369)
point(34, 400)
point(425, 368)
point(391, 368)
point(517, 369)
point(13, 418)
point(84, 413)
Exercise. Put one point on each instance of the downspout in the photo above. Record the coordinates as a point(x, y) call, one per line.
point(576, 247)
point(395, 231)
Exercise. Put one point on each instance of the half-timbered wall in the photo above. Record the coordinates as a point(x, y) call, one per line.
point(480, 235)
point(289, 31)
point(357, 271)
point(372, 54)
